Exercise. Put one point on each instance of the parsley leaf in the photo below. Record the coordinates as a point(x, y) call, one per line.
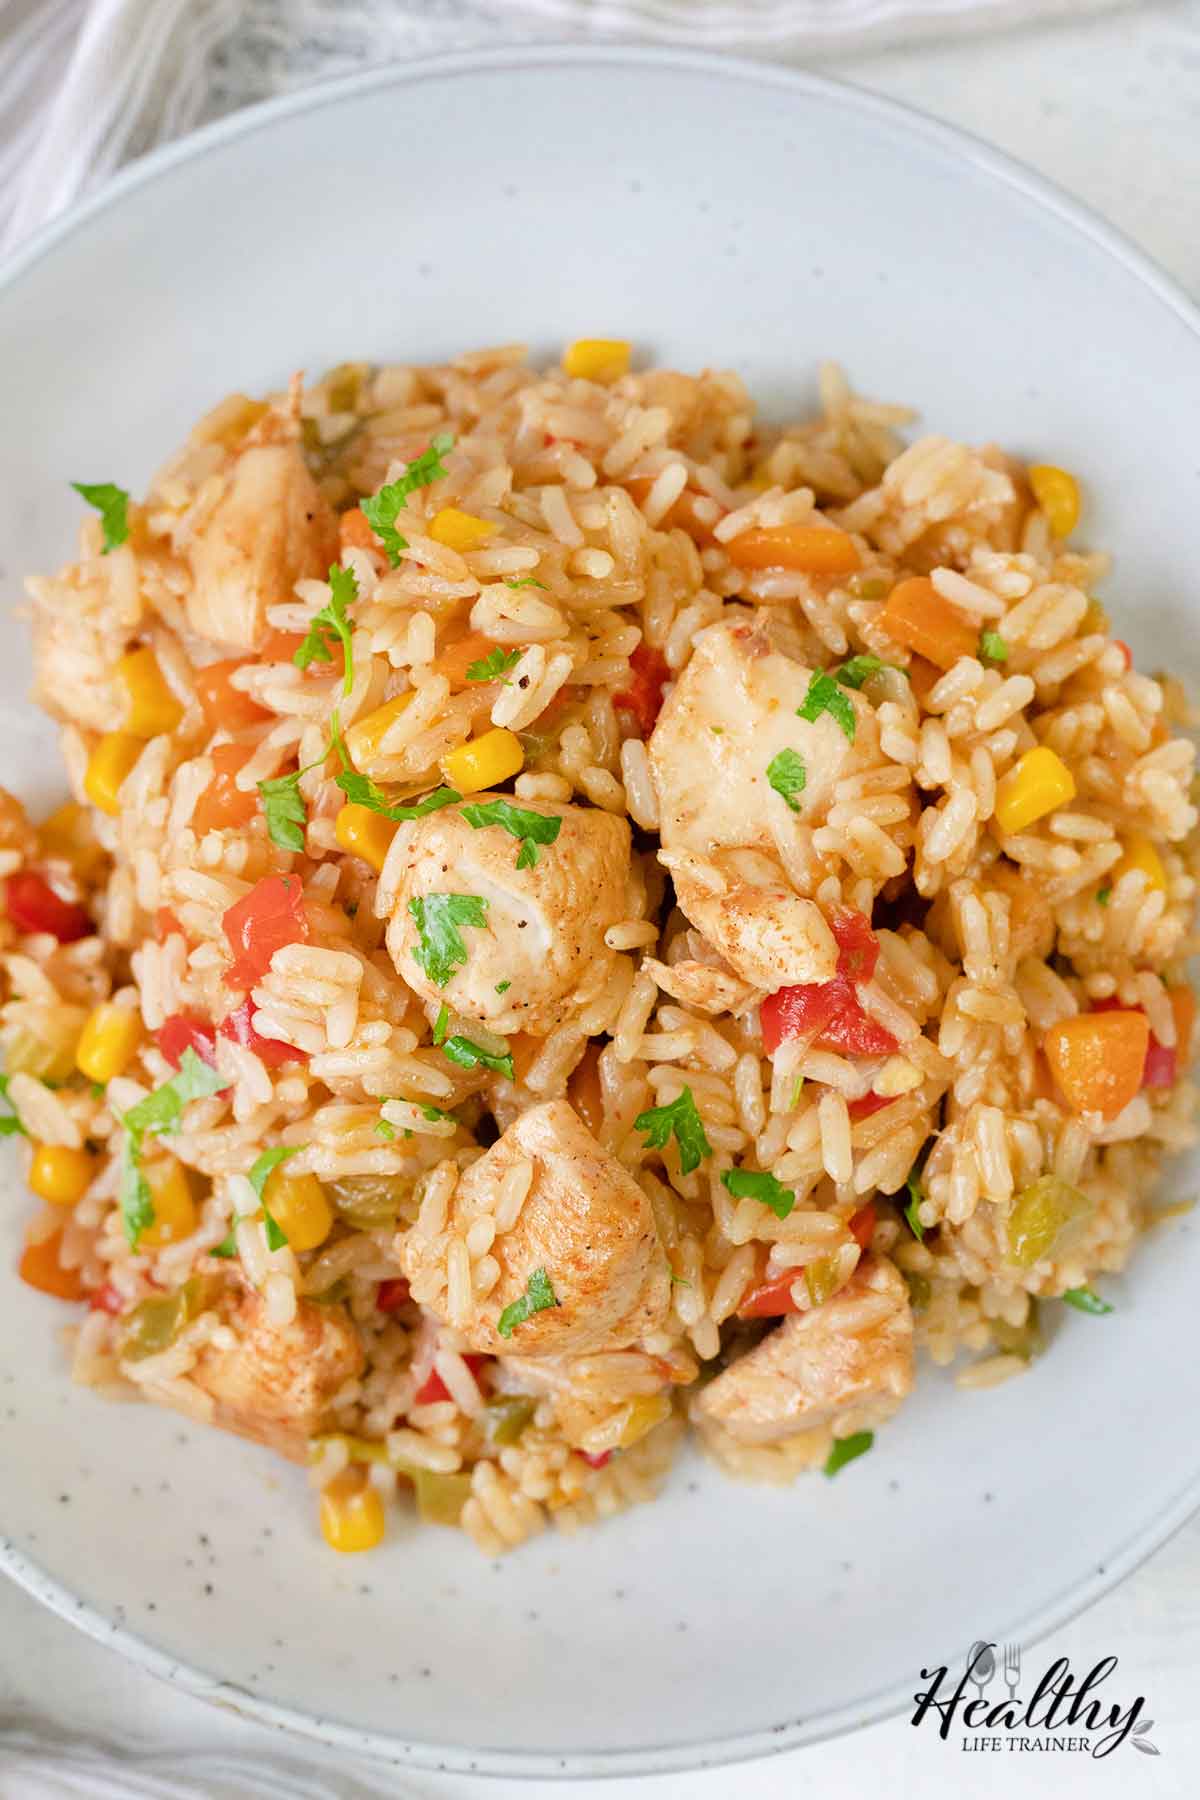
point(681, 1119)
point(538, 1297)
point(163, 1109)
point(526, 581)
point(502, 987)
point(265, 1165)
point(438, 917)
point(227, 1245)
point(332, 623)
point(825, 696)
point(360, 790)
point(858, 669)
point(754, 1184)
point(385, 1129)
point(1103, 896)
point(915, 1197)
point(467, 1055)
point(435, 1112)
point(532, 828)
point(1085, 1301)
point(112, 503)
point(381, 510)
point(284, 810)
point(993, 647)
point(847, 1449)
point(787, 775)
point(495, 664)
point(441, 1025)
point(133, 1190)
point(10, 1122)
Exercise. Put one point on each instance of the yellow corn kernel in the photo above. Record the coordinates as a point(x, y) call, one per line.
point(1057, 493)
point(365, 735)
point(645, 1412)
point(68, 833)
point(460, 530)
point(1040, 782)
point(108, 765)
point(60, 1175)
point(597, 359)
point(1141, 854)
point(484, 761)
point(152, 707)
point(174, 1204)
point(364, 833)
point(298, 1206)
point(351, 1513)
point(108, 1040)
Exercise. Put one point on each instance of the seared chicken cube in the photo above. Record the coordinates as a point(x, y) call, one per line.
point(541, 940)
point(585, 1222)
point(270, 528)
point(276, 1383)
point(853, 1352)
point(730, 716)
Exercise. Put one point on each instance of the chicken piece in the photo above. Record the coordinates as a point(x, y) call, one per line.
point(81, 630)
point(730, 714)
point(545, 926)
point(277, 1381)
point(702, 986)
point(585, 1221)
point(270, 528)
point(855, 1351)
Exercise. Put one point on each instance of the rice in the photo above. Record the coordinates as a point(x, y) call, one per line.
point(866, 1175)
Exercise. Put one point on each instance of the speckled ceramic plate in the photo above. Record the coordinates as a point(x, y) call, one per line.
point(714, 213)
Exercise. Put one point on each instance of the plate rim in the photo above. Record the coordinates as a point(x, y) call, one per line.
point(1077, 218)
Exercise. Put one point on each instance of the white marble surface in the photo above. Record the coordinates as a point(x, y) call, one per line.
point(1110, 108)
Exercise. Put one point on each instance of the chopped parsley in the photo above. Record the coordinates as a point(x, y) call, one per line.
point(440, 949)
point(360, 790)
point(526, 581)
point(385, 1130)
point(133, 1190)
point(502, 987)
point(755, 1184)
point(494, 666)
point(469, 1055)
point(858, 669)
point(680, 1120)
point(847, 1450)
point(10, 1122)
point(915, 1197)
point(332, 624)
point(160, 1111)
point(538, 1297)
point(787, 775)
point(1103, 896)
point(227, 1245)
point(794, 1102)
point(284, 810)
point(381, 510)
point(825, 696)
point(262, 1167)
point(436, 1112)
point(112, 503)
point(441, 1025)
point(1085, 1301)
point(992, 647)
point(531, 828)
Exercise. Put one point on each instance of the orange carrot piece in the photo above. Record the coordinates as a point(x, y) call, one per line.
point(1183, 1005)
point(223, 806)
point(1097, 1059)
point(917, 617)
point(812, 549)
point(225, 707)
point(40, 1268)
point(354, 532)
point(457, 657)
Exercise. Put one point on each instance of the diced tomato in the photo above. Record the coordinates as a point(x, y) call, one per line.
point(167, 925)
point(858, 947)
point(187, 1031)
point(238, 1027)
point(224, 806)
point(434, 1388)
point(868, 1104)
point(829, 1014)
point(32, 905)
point(106, 1299)
point(264, 920)
point(225, 707)
point(771, 1299)
point(861, 1226)
point(40, 1268)
point(596, 1462)
point(643, 697)
point(1161, 1066)
point(391, 1295)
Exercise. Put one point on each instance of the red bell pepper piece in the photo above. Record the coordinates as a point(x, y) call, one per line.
point(391, 1295)
point(868, 1104)
point(238, 1027)
point(771, 1299)
point(862, 1225)
point(434, 1388)
point(858, 947)
point(187, 1031)
point(649, 674)
point(829, 1014)
point(262, 922)
point(32, 905)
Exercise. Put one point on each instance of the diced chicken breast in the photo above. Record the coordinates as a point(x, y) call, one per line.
point(270, 528)
point(731, 713)
point(80, 633)
point(855, 1351)
point(545, 925)
point(701, 986)
point(275, 1384)
point(585, 1221)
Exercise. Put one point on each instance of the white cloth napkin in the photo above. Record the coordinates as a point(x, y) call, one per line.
point(87, 84)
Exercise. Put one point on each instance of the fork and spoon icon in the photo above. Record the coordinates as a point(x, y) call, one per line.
point(982, 1666)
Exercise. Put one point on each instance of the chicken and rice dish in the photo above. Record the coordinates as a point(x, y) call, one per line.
point(582, 914)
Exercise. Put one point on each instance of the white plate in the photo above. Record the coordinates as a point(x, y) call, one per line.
point(714, 213)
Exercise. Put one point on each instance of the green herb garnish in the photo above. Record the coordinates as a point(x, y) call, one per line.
point(825, 696)
point(441, 1025)
point(112, 503)
point(381, 510)
point(915, 1197)
point(284, 810)
point(436, 1112)
point(440, 949)
point(1085, 1301)
point(755, 1184)
point(385, 1129)
point(227, 1245)
point(526, 581)
point(846, 1450)
point(992, 647)
point(332, 625)
point(10, 1122)
point(681, 1120)
point(858, 669)
point(531, 828)
point(538, 1297)
point(1103, 896)
point(160, 1111)
point(262, 1167)
point(495, 665)
point(787, 775)
point(469, 1055)
point(502, 987)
